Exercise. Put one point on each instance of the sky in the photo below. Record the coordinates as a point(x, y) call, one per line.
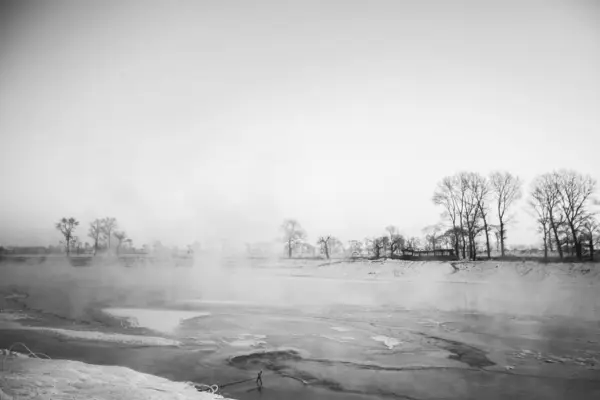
point(198, 120)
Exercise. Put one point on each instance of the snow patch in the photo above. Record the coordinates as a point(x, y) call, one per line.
point(13, 316)
point(340, 329)
point(247, 343)
point(244, 335)
point(30, 378)
point(248, 340)
point(386, 340)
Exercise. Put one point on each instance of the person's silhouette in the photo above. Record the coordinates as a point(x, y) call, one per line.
point(259, 381)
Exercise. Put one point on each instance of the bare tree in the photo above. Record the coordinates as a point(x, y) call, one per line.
point(397, 242)
point(413, 243)
point(67, 226)
point(575, 191)
point(591, 229)
point(506, 190)
point(121, 237)
point(76, 244)
point(448, 195)
point(109, 225)
point(377, 245)
point(546, 188)
point(293, 234)
point(471, 209)
point(567, 239)
point(432, 235)
point(481, 190)
point(391, 230)
point(539, 205)
point(324, 243)
point(385, 242)
point(95, 232)
point(463, 188)
point(446, 239)
point(466, 198)
point(452, 237)
point(497, 237)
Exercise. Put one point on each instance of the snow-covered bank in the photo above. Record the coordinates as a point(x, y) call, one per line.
point(11, 320)
point(32, 378)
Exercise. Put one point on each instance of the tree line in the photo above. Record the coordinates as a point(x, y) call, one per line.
point(562, 203)
point(478, 210)
point(101, 231)
point(389, 244)
point(471, 202)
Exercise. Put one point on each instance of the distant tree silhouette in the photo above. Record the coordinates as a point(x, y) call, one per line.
point(575, 191)
point(506, 189)
point(95, 232)
point(545, 188)
point(121, 237)
point(67, 227)
point(433, 236)
point(323, 242)
point(396, 241)
point(293, 234)
point(377, 245)
point(109, 225)
point(539, 204)
point(449, 195)
point(591, 233)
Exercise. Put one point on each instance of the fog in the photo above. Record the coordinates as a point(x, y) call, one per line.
point(57, 287)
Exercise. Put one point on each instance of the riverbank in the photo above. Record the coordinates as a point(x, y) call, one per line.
point(24, 377)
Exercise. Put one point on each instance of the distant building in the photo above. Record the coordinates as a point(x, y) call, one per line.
point(443, 253)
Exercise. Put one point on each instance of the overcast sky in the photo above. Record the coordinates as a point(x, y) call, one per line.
point(196, 119)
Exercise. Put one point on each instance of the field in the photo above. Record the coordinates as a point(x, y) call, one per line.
point(326, 330)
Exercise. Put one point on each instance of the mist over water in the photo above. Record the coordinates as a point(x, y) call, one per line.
point(324, 321)
point(545, 290)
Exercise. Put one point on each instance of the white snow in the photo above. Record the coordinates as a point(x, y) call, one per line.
point(340, 329)
point(248, 340)
point(386, 340)
point(12, 316)
point(30, 378)
point(247, 343)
